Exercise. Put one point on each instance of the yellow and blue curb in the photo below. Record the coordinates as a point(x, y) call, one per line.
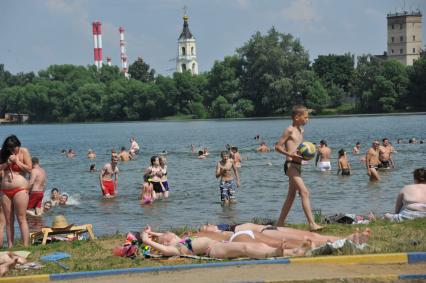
point(401, 258)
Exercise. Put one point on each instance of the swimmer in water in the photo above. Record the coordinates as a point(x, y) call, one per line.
point(124, 155)
point(372, 161)
point(201, 155)
point(343, 164)
point(91, 154)
point(385, 155)
point(323, 156)
point(147, 190)
point(109, 177)
point(263, 148)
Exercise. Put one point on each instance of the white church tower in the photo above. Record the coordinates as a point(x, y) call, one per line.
point(187, 51)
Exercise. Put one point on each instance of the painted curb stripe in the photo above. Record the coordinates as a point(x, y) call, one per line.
point(29, 278)
point(415, 257)
point(412, 276)
point(73, 275)
point(372, 258)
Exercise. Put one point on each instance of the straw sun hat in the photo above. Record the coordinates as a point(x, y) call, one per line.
point(60, 223)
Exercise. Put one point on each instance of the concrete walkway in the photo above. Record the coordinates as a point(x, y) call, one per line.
point(272, 273)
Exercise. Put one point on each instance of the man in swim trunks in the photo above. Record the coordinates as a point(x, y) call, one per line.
point(36, 185)
point(323, 156)
point(385, 152)
point(227, 183)
point(372, 161)
point(109, 177)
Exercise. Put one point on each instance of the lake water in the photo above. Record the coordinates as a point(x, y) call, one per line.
point(194, 197)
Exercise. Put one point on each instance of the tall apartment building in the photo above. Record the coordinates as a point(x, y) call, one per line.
point(405, 36)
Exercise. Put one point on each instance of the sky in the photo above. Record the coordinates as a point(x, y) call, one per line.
point(38, 33)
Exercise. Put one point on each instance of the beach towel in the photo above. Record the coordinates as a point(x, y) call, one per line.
point(55, 257)
point(337, 247)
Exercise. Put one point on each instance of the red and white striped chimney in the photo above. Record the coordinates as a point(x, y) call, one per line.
point(123, 54)
point(99, 29)
point(109, 61)
point(95, 43)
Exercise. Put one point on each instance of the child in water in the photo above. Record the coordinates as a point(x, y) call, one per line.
point(343, 164)
point(147, 191)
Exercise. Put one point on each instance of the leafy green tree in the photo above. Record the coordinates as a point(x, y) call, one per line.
point(198, 110)
point(269, 63)
point(223, 79)
point(308, 90)
point(416, 99)
point(140, 71)
point(5, 77)
point(220, 107)
point(169, 103)
point(380, 86)
point(245, 107)
point(335, 70)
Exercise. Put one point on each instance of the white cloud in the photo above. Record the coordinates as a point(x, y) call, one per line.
point(301, 11)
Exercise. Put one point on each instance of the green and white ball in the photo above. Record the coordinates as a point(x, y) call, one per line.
point(307, 150)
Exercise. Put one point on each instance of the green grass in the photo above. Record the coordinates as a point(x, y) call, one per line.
point(386, 237)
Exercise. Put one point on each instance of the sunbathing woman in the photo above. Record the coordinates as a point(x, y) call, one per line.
point(169, 244)
point(293, 237)
point(248, 236)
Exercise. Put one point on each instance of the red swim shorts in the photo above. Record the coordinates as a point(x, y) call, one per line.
point(35, 200)
point(109, 187)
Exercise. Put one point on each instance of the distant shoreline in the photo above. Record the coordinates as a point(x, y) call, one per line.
point(227, 119)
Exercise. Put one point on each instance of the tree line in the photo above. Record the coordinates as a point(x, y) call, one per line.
point(267, 76)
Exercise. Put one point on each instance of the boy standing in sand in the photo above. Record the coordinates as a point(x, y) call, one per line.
point(287, 145)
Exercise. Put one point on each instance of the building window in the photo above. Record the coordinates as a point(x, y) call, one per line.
point(414, 38)
point(193, 68)
point(393, 39)
point(400, 51)
point(393, 26)
point(184, 67)
point(392, 51)
point(401, 38)
point(192, 50)
point(414, 50)
point(400, 26)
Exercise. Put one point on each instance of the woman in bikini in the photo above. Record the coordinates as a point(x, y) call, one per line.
point(169, 244)
point(164, 182)
point(293, 237)
point(15, 162)
point(156, 172)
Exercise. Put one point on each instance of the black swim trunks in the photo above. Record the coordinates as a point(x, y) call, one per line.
point(157, 187)
point(346, 172)
point(384, 164)
point(289, 163)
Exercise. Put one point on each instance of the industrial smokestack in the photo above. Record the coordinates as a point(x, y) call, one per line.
point(123, 55)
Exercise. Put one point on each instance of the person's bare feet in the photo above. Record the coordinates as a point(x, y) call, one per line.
point(306, 246)
point(360, 238)
point(315, 227)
